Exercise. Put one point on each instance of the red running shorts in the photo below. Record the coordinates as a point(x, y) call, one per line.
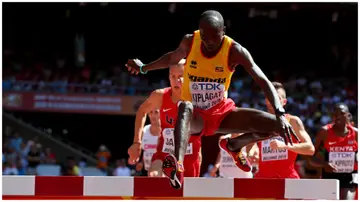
point(214, 116)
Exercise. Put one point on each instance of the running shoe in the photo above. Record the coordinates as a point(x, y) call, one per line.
point(239, 158)
point(173, 170)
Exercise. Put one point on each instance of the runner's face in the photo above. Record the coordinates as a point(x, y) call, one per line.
point(154, 116)
point(282, 98)
point(211, 37)
point(176, 77)
point(341, 115)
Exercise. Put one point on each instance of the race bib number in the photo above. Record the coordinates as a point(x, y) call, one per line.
point(269, 154)
point(344, 161)
point(205, 95)
point(147, 157)
point(169, 142)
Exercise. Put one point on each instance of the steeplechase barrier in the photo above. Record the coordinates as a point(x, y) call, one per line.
point(110, 187)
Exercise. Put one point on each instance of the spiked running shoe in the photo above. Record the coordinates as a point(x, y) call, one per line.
point(173, 170)
point(239, 158)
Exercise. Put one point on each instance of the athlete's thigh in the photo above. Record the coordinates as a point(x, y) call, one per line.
point(155, 169)
point(242, 120)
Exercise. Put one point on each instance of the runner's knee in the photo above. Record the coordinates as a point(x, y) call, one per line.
point(155, 173)
point(186, 106)
point(155, 169)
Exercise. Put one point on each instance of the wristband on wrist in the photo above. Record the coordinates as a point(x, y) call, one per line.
point(141, 69)
point(137, 143)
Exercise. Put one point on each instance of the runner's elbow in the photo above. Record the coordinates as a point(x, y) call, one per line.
point(311, 150)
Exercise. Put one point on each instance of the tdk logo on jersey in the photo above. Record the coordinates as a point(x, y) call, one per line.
point(206, 79)
point(195, 86)
point(206, 86)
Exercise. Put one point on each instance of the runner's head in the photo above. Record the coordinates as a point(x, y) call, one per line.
point(341, 114)
point(176, 76)
point(154, 116)
point(282, 96)
point(155, 127)
point(212, 29)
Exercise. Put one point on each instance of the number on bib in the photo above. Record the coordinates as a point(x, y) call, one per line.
point(169, 142)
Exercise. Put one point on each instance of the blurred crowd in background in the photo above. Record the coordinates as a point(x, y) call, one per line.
point(311, 49)
point(31, 157)
point(310, 98)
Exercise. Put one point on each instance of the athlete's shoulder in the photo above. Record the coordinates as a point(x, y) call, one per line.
point(239, 55)
point(158, 92)
point(188, 37)
point(235, 46)
point(354, 128)
point(146, 131)
point(155, 98)
point(146, 128)
point(324, 130)
point(295, 120)
point(326, 127)
point(187, 40)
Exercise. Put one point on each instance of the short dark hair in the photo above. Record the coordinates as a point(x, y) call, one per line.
point(214, 18)
point(341, 105)
point(278, 85)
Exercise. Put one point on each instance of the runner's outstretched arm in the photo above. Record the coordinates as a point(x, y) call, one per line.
point(305, 147)
point(241, 56)
point(167, 60)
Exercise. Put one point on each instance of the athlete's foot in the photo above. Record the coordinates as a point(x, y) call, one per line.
point(174, 171)
point(239, 158)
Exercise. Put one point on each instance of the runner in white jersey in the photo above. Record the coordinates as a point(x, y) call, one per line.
point(149, 141)
point(148, 144)
point(226, 166)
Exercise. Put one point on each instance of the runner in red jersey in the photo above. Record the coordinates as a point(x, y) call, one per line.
point(276, 159)
point(166, 101)
point(168, 115)
point(337, 142)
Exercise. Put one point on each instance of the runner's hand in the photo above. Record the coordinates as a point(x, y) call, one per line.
point(133, 66)
point(139, 166)
point(287, 130)
point(134, 152)
point(213, 171)
point(276, 144)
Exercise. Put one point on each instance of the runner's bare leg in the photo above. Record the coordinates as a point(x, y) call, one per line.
point(237, 143)
point(182, 129)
